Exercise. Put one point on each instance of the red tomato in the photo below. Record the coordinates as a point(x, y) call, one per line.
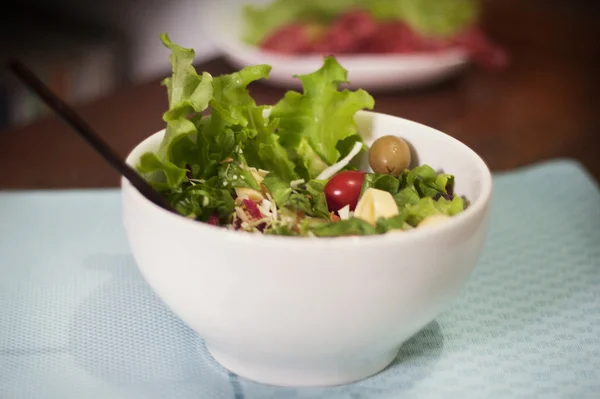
point(344, 189)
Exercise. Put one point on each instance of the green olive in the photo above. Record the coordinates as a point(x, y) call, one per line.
point(389, 155)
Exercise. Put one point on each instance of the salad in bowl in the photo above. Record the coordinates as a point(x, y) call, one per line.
point(292, 168)
point(314, 236)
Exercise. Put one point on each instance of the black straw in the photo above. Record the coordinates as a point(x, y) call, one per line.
point(69, 115)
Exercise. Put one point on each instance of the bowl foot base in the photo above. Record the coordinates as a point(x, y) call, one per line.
point(341, 371)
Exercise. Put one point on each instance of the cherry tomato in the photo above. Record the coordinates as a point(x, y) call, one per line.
point(344, 189)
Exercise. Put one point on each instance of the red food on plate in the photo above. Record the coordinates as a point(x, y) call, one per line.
point(289, 39)
point(357, 32)
point(397, 37)
point(348, 34)
point(352, 32)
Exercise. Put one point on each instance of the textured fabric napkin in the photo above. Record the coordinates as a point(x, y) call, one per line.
point(78, 321)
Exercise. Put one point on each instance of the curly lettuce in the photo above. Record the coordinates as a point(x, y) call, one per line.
point(204, 156)
point(313, 124)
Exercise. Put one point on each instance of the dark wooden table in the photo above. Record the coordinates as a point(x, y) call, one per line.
point(545, 105)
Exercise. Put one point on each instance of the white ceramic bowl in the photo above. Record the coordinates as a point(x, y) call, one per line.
point(313, 311)
point(224, 25)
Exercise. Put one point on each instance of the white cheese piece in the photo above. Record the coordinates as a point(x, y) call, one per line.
point(336, 167)
point(375, 204)
point(344, 212)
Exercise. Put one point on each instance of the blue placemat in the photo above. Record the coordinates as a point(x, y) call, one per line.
point(77, 320)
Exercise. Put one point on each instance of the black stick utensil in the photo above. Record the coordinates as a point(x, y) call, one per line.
point(69, 115)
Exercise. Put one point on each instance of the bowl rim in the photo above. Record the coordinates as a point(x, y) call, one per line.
point(476, 208)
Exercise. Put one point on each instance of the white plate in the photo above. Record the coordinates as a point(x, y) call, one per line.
point(224, 24)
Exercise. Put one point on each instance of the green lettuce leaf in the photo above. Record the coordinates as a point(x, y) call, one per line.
point(160, 174)
point(233, 174)
point(200, 201)
point(406, 196)
point(421, 173)
point(312, 124)
point(232, 103)
point(202, 143)
point(315, 189)
point(359, 227)
point(445, 183)
point(279, 189)
point(308, 162)
point(418, 188)
point(309, 199)
point(264, 151)
point(381, 182)
point(348, 227)
point(427, 206)
point(423, 181)
point(187, 92)
point(398, 222)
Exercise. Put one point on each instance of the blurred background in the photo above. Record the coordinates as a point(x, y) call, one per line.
point(87, 49)
point(540, 101)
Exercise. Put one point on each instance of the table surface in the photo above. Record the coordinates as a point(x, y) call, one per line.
point(77, 319)
point(544, 105)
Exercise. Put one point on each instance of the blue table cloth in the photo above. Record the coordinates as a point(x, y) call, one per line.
point(78, 321)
